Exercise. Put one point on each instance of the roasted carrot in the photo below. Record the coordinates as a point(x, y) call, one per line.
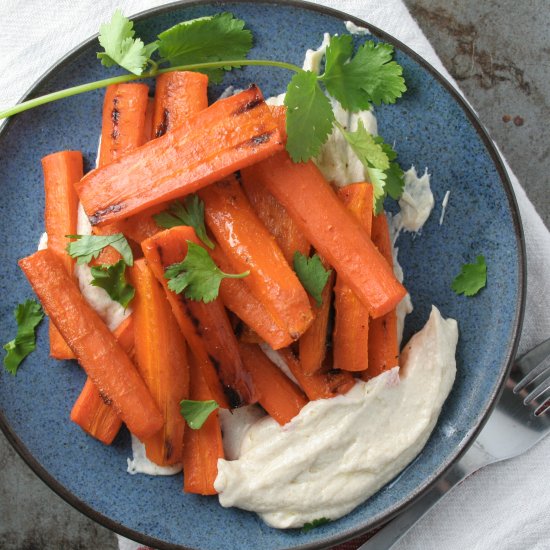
point(161, 358)
point(383, 348)
point(230, 134)
point(93, 412)
point(277, 221)
point(313, 344)
point(61, 171)
point(203, 447)
point(351, 325)
point(123, 129)
point(238, 298)
point(148, 126)
point(249, 247)
point(246, 335)
point(178, 95)
point(322, 384)
point(330, 228)
point(205, 326)
point(95, 347)
point(278, 395)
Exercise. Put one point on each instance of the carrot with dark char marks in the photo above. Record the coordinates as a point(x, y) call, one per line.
point(230, 134)
point(249, 247)
point(93, 344)
point(161, 358)
point(206, 326)
point(350, 342)
point(278, 395)
point(61, 171)
point(203, 447)
point(330, 228)
point(94, 413)
point(383, 348)
point(238, 298)
point(178, 95)
point(322, 384)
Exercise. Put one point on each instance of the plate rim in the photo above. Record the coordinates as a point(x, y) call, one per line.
point(520, 302)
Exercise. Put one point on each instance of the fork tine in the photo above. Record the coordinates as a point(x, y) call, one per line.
point(532, 363)
point(543, 387)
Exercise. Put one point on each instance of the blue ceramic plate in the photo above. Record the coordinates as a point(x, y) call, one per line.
point(431, 127)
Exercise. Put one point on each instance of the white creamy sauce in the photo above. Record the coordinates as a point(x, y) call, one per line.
point(352, 28)
point(337, 452)
point(43, 242)
point(140, 464)
point(234, 425)
point(444, 204)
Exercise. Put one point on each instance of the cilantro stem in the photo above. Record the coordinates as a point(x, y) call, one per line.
point(75, 90)
point(235, 275)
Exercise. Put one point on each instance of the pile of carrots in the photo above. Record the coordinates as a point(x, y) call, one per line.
point(260, 208)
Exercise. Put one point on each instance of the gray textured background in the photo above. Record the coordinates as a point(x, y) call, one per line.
point(499, 52)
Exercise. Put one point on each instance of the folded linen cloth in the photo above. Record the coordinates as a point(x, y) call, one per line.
point(503, 506)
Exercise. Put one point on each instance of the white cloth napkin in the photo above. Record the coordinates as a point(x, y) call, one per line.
point(504, 506)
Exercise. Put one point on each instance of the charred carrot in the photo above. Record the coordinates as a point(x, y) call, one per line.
point(61, 171)
point(331, 229)
point(351, 326)
point(203, 447)
point(95, 347)
point(383, 348)
point(322, 384)
point(278, 395)
point(230, 134)
point(313, 344)
point(246, 335)
point(276, 219)
point(93, 412)
point(205, 326)
point(178, 95)
point(237, 297)
point(249, 247)
point(161, 358)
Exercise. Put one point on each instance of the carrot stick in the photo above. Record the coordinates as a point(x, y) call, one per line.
point(331, 229)
point(95, 347)
point(276, 219)
point(313, 344)
point(229, 135)
point(383, 348)
point(278, 395)
point(351, 326)
point(203, 447)
point(91, 411)
point(322, 384)
point(161, 358)
point(238, 298)
point(61, 171)
point(205, 326)
point(249, 247)
point(148, 126)
point(246, 335)
point(178, 95)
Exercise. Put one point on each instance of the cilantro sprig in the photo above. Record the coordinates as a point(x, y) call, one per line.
point(472, 278)
point(85, 248)
point(196, 413)
point(190, 213)
point(314, 524)
point(112, 279)
point(28, 315)
point(312, 275)
point(197, 275)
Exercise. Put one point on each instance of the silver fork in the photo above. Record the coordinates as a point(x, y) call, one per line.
point(521, 418)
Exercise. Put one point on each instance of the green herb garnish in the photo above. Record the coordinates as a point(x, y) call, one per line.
point(196, 412)
point(28, 316)
point(87, 247)
point(313, 524)
point(112, 279)
point(312, 275)
point(472, 278)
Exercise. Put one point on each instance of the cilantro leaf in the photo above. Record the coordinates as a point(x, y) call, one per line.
point(218, 37)
point(28, 316)
point(368, 149)
point(368, 77)
point(315, 523)
point(112, 279)
point(312, 274)
point(87, 247)
point(395, 181)
point(121, 48)
point(309, 116)
point(196, 412)
point(191, 213)
point(197, 275)
point(472, 278)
